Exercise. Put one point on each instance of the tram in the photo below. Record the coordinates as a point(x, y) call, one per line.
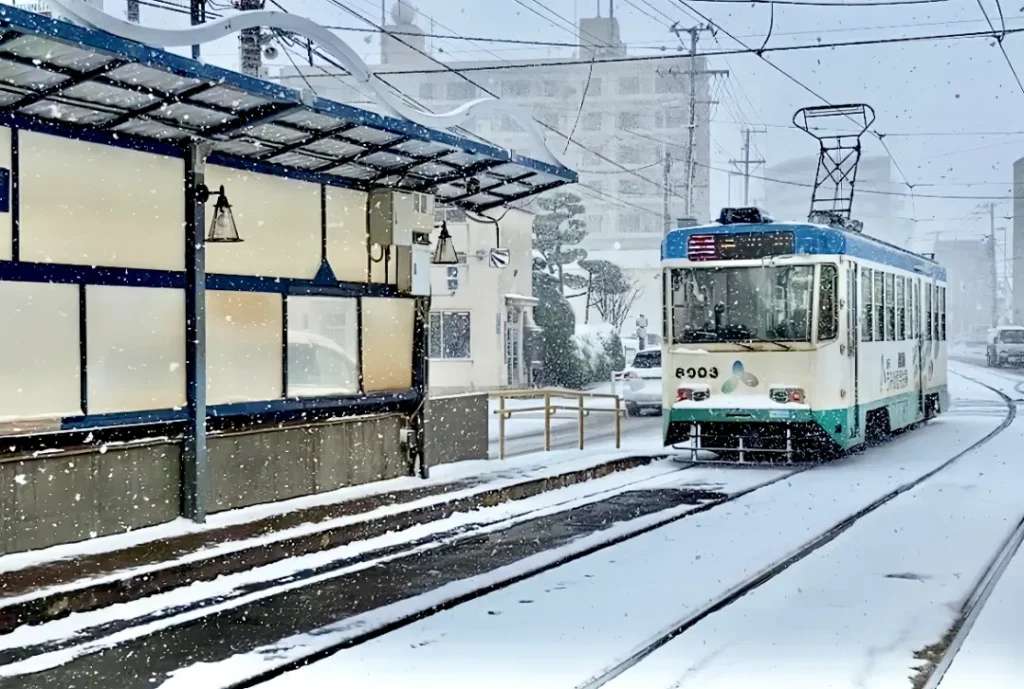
point(797, 340)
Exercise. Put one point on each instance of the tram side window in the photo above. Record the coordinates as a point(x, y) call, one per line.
point(901, 308)
point(928, 312)
point(828, 316)
point(879, 328)
point(915, 310)
point(890, 307)
point(867, 327)
point(942, 309)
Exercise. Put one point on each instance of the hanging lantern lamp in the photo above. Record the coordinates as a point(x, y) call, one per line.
point(444, 252)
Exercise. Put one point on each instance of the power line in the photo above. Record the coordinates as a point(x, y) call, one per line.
point(999, 43)
point(448, 68)
point(747, 50)
point(822, 3)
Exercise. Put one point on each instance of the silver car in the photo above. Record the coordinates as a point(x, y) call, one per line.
point(1005, 346)
point(641, 383)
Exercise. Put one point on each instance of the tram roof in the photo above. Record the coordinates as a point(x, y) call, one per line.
point(84, 83)
point(810, 240)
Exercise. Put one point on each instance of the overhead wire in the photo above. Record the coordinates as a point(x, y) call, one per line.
point(999, 35)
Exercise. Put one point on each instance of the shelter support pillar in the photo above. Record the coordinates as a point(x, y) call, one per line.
point(195, 482)
point(420, 383)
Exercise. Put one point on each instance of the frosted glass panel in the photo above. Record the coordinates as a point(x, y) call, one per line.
point(91, 204)
point(387, 344)
point(39, 357)
point(243, 346)
point(278, 220)
point(323, 346)
point(136, 348)
point(346, 233)
point(5, 218)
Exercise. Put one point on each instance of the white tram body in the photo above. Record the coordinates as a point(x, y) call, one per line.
point(797, 338)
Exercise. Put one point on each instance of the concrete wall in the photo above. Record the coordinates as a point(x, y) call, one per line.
point(54, 499)
point(455, 428)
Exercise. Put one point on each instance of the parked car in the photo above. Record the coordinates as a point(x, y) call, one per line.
point(641, 383)
point(1005, 346)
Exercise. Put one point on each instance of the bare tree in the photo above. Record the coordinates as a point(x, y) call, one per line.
point(615, 307)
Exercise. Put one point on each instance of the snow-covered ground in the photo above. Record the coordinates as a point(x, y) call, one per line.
point(992, 657)
point(562, 627)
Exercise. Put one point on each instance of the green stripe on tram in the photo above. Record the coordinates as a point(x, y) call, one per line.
point(903, 411)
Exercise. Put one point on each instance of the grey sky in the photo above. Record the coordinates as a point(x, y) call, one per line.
point(949, 86)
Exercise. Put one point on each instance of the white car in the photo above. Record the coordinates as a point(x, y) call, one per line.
point(641, 383)
point(1005, 346)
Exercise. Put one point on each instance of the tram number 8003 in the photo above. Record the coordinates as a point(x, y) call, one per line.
point(701, 372)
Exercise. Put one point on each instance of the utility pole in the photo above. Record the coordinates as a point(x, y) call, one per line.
point(197, 13)
point(747, 161)
point(250, 56)
point(666, 189)
point(694, 31)
point(995, 274)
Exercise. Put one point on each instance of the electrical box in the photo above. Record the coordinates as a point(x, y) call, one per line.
point(413, 266)
point(393, 216)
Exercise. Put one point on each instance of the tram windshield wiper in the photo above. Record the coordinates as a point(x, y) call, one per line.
point(783, 345)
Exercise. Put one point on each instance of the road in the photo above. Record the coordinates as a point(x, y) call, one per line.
point(851, 574)
point(600, 433)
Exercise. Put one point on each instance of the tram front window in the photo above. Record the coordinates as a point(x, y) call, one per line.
point(742, 304)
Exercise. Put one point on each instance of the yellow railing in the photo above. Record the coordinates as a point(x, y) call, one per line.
point(550, 409)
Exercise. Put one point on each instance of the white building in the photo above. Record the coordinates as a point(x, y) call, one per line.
point(482, 333)
point(635, 113)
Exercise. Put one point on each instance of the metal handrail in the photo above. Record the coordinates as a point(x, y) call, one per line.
point(549, 409)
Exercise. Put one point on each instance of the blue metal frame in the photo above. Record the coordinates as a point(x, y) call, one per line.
point(15, 196)
point(812, 240)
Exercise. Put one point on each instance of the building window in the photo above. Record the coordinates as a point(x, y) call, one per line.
point(449, 335)
point(591, 122)
point(629, 86)
point(460, 90)
point(426, 90)
point(668, 81)
point(595, 87)
point(628, 120)
point(629, 187)
point(323, 346)
point(550, 88)
point(519, 88)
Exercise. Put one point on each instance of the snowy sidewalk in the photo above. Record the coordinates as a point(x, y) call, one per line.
point(40, 585)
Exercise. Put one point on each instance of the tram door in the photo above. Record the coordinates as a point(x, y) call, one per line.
point(853, 341)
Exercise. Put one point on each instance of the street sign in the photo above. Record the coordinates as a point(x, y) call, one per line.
point(498, 258)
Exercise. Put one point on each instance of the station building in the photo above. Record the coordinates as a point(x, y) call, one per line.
point(214, 289)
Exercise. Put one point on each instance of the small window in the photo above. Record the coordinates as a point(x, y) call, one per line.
point(879, 329)
point(942, 310)
point(628, 120)
point(928, 312)
point(460, 90)
point(867, 309)
point(453, 278)
point(629, 86)
point(890, 307)
point(668, 81)
point(901, 308)
point(426, 90)
point(591, 122)
point(518, 88)
point(449, 335)
point(828, 316)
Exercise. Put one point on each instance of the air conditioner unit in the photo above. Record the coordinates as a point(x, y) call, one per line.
point(393, 216)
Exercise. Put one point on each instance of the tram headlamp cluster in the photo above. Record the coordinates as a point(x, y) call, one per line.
point(784, 395)
point(692, 394)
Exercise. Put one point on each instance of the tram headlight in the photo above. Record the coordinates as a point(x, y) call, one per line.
point(695, 394)
point(784, 395)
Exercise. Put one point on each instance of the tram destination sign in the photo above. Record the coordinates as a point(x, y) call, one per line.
point(739, 245)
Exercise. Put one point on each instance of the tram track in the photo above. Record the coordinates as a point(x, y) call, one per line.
point(765, 575)
point(408, 619)
point(339, 566)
